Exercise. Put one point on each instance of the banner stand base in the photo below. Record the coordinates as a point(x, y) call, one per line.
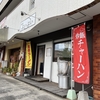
point(83, 95)
point(71, 94)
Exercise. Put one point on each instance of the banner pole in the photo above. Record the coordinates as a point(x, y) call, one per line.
point(82, 87)
point(71, 92)
point(71, 59)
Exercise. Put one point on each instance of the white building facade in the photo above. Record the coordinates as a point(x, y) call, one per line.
point(47, 24)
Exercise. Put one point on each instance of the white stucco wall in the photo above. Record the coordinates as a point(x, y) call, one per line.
point(44, 9)
point(48, 60)
point(54, 72)
point(14, 19)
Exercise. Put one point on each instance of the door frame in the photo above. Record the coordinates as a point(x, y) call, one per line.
point(37, 56)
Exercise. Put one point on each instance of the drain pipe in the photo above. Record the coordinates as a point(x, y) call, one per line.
point(51, 63)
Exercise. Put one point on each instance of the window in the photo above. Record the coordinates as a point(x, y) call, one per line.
point(32, 2)
point(62, 50)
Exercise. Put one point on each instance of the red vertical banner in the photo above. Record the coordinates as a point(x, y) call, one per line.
point(81, 57)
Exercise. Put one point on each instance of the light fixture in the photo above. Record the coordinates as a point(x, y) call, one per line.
point(38, 32)
point(6, 27)
point(56, 18)
point(12, 40)
point(23, 13)
point(89, 27)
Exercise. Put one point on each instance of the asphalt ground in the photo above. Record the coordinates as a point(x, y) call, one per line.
point(12, 89)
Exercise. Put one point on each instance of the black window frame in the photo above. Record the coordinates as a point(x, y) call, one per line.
point(54, 48)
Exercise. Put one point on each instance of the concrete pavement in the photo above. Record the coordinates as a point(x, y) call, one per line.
point(12, 89)
point(47, 86)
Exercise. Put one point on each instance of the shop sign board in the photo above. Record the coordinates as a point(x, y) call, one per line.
point(28, 22)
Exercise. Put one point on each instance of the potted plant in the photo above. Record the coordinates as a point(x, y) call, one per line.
point(9, 70)
point(13, 73)
point(14, 69)
point(4, 70)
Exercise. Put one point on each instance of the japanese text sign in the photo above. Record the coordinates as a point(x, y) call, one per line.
point(81, 57)
point(28, 55)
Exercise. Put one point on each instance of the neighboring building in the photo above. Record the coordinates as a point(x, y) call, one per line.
point(47, 24)
point(6, 7)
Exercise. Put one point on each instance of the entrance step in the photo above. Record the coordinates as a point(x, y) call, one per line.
point(47, 86)
point(37, 78)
